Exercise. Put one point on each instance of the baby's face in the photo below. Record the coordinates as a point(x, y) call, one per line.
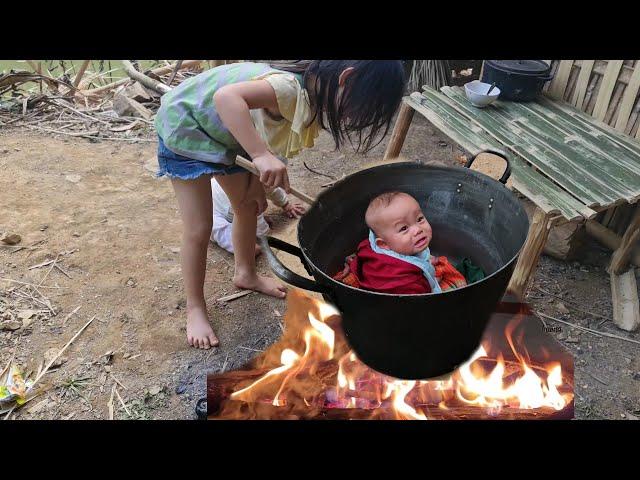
point(402, 227)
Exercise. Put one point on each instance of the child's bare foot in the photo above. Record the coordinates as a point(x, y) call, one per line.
point(258, 283)
point(258, 250)
point(199, 331)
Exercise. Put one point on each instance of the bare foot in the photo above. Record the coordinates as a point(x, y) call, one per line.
point(199, 331)
point(258, 283)
point(258, 250)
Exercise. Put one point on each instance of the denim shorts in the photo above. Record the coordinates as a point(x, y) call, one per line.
point(172, 165)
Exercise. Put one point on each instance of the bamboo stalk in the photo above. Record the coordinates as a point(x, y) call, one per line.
point(143, 79)
point(157, 71)
point(80, 74)
point(175, 71)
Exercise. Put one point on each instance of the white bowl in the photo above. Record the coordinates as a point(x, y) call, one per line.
point(477, 93)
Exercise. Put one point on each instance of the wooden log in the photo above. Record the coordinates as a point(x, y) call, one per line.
point(157, 71)
point(267, 411)
point(564, 238)
point(400, 130)
point(624, 296)
point(125, 106)
point(144, 79)
point(530, 254)
point(609, 239)
point(138, 93)
point(620, 257)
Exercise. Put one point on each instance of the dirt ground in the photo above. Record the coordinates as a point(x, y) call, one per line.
point(117, 231)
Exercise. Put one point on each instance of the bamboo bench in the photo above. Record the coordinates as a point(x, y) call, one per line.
point(568, 164)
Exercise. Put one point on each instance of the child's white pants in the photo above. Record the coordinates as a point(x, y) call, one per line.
point(221, 232)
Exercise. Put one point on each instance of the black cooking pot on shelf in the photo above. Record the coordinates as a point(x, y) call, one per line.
point(412, 336)
point(518, 80)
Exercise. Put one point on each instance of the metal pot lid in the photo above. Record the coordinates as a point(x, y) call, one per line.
point(524, 67)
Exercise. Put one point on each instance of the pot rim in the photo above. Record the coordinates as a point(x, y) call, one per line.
point(466, 171)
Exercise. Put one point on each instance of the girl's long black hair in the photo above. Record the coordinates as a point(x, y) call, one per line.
point(371, 97)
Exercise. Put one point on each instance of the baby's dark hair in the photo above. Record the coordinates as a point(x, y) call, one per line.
point(378, 202)
point(371, 97)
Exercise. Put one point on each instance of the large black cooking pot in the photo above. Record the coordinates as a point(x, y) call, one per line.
point(412, 336)
point(518, 80)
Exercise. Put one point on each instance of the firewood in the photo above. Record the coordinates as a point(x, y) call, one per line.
point(624, 296)
point(125, 106)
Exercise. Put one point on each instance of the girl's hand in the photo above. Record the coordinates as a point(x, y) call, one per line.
point(273, 173)
point(294, 209)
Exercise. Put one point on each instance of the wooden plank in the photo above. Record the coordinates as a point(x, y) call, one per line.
point(552, 71)
point(577, 181)
point(628, 100)
point(583, 81)
point(590, 97)
point(612, 109)
point(540, 190)
point(606, 88)
point(559, 82)
point(571, 84)
point(633, 118)
point(600, 67)
point(624, 297)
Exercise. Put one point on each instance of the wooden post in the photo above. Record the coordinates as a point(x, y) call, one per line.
point(624, 297)
point(400, 130)
point(530, 254)
point(620, 257)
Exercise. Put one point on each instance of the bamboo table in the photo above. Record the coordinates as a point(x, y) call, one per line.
point(568, 164)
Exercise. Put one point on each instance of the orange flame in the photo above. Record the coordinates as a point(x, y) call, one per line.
point(329, 375)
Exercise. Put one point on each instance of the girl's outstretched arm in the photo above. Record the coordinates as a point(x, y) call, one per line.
point(233, 103)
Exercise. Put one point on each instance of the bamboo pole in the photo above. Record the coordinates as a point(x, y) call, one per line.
point(157, 71)
point(143, 79)
point(80, 73)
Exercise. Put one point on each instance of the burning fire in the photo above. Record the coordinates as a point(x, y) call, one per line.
point(312, 370)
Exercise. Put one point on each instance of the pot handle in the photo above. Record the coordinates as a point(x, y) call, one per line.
point(283, 272)
point(507, 170)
